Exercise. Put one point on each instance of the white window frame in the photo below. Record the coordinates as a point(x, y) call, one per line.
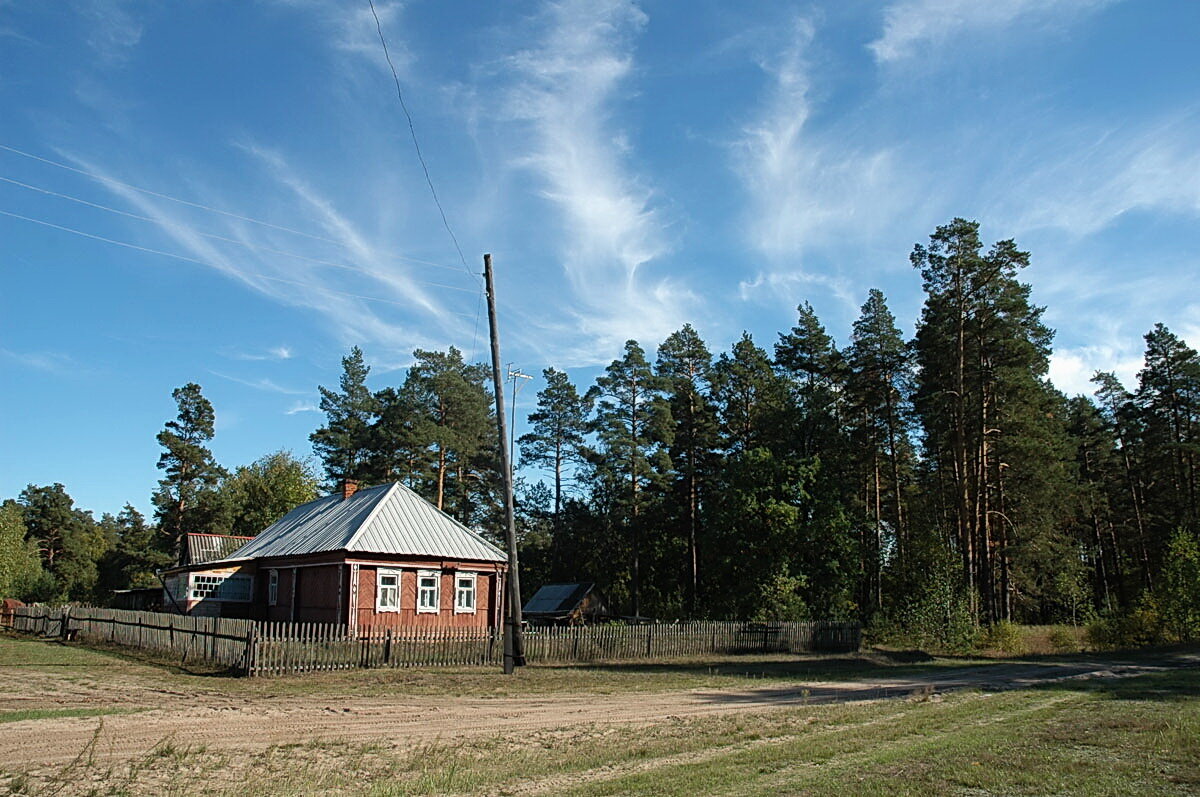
point(422, 591)
point(273, 587)
point(221, 587)
point(459, 608)
point(380, 573)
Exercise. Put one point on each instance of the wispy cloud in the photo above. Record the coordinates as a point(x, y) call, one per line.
point(367, 294)
point(914, 27)
point(806, 187)
point(568, 83)
point(113, 31)
point(791, 287)
point(274, 353)
point(262, 383)
point(1092, 177)
point(50, 362)
point(301, 406)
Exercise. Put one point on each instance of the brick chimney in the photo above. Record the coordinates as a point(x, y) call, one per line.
point(349, 488)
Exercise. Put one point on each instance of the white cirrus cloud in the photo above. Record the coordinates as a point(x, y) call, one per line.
point(806, 187)
point(112, 30)
point(566, 86)
point(366, 292)
point(301, 406)
point(1094, 176)
point(912, 27)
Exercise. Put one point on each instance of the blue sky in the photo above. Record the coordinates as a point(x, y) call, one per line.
point(631, 166)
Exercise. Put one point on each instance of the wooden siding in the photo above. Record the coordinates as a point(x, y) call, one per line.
point(408, 616)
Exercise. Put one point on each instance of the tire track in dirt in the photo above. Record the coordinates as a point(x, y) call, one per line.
point(249, 724)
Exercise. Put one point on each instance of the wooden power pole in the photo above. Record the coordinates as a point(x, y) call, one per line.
point(514, 643)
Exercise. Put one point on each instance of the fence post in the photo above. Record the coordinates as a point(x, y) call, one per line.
point(251, 649)
point(649, 639)
point(387, 648)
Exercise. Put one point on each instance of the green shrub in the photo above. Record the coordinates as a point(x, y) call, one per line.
point(1004, 636)
point(1065, 639)
point(1140, 626)
point(1179, 588)
point(936, 619)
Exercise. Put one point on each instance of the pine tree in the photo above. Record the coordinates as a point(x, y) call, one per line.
point(187, 500)
point(685, 367)
point(559, 426)
point(344, 443)
point(816, 372)
point(133, 560)
point(1123, 421)
point(1168, 401)
point(632, 426)
point(993, 429)
point(452, 422)
point(878, 397)
point(67, 538)
point(750, 398)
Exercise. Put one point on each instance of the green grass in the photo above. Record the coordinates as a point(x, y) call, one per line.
point(51, 713)
point(1102, 737)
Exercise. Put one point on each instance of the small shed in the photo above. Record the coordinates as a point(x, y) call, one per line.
point(566, 604)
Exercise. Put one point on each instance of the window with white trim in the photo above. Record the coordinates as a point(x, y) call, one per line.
point(273, 588)
point(221, 587)
point(387, 590)
point(464, 593)
point(429, 584)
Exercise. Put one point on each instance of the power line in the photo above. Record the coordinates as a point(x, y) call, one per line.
point(210, 264)
point(199, 206)
point(416, 145)
point(214, 236)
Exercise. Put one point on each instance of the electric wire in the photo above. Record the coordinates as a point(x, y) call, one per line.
point(209, 264)
point(211, 235)
point(106, 179)
point(416, 144)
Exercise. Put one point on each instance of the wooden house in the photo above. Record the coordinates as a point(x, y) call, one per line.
point(381, 556)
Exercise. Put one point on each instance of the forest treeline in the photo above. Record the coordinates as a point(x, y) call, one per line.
point(934, 482)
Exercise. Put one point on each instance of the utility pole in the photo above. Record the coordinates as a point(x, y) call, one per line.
point(514, 644)
point(512, 431)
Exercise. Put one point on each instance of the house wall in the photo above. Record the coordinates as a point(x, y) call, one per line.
point(408, 615)
point(318, 597)
point(178, 586)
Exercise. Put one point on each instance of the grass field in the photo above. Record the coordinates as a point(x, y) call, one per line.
point(1137, 735)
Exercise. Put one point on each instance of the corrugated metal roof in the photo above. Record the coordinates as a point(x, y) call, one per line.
point(388, 519)
point(210, 547)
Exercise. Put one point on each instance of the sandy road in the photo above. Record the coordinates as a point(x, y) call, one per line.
point(249, 724)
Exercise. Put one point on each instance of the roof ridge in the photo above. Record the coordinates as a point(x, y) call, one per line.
point(454, 520)
point(370, 516)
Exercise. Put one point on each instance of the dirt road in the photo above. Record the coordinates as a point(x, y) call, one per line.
point(248, 724)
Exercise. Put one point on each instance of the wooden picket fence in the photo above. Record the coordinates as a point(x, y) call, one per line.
point(285, 648)
point(219, 641)
point(264, 648)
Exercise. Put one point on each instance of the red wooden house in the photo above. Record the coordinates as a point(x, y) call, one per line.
point(379, 556)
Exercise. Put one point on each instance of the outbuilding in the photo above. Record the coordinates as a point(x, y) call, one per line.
point(381, 556)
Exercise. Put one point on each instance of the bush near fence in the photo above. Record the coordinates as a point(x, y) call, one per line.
point(260, 648)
